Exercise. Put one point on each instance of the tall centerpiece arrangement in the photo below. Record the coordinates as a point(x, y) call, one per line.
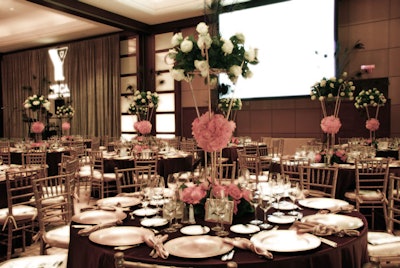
point(208, 56)
point(38, 105)
point(369, 100)
point(67, 112)
point(233, 104)
point(332, 90)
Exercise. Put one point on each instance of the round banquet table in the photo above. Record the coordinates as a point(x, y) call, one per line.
point(351, 251)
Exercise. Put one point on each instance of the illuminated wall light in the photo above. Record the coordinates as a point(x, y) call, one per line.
point(368, 68)
point(57, 56)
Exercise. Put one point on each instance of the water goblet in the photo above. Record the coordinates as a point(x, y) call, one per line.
point(255, 201)
point(169, 209)
point(213, 204)
point(265, 204)
point(221, 206)
point(277, 193)
point(294, 193)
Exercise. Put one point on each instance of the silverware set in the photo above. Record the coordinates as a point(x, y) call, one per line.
point(228, 256)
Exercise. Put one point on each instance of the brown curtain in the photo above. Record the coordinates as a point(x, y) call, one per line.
point(92, 72)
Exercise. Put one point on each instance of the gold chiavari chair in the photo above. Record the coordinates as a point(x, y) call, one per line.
point(384, 247)
point(131, 180)
point(35, 160)
point(319, 181)
point(291, 167)
point(18, 218)
point(5, 153)
point(226, 172)
point(371, 186)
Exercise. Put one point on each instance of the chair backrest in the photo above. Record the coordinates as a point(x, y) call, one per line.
point(147, 158)
point(250, 163)
point(19, 188)
point(276, 148)
point(291, 167)
point(5, 152)
point(95, 143)
point(394, 203)
point(251, 148)
point(372, 175)
point(96, 161)
point(320, 181)
point(226, 172)
point(131, 180)
point(53, 200)
point(188, 145)
point(35, 159)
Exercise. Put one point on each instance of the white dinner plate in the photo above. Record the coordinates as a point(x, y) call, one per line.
point(43, 261)
point(145, 212)
point(120, 236)
point(322, 203)
point(245, 228)
point(198, 246)
point(341, 221)
point(284, 219)
point(98, 216)
point(153, 222)
point(284, 205)
point(118, 201)
point(285, 241)
point(195, 230)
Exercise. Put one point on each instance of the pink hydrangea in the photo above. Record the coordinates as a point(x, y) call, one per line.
point(143, 127)
point(372, 124)
point(330, 124)
point(37, 127)
point(66, 126)
point(212, 131)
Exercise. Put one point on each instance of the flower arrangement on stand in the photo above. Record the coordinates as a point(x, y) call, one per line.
point(143, 105)
point(332, 90)
point(225, 103)
point(67, 112)
point(39, 105)
point(209, 56)
point(370, 99)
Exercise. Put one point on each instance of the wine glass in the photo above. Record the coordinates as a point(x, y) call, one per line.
point(277, 192)
point(265, 204)
point(169, 209)
point(294, 193)
point(255, 201)
point(220, 206)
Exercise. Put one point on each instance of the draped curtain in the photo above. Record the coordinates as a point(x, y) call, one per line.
point(92, 72)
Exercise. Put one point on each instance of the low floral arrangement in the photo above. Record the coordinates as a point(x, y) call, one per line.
point(37, 127)
point(210, 55)
point(223, 104)
point(36, 103)
point(197, 193)
point(333, 87)
point(337, 155)
point(212, 131)
point(65, 111)
point(143, 103)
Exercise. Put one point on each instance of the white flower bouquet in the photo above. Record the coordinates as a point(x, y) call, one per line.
point(65, 111)
point(36, 103)
point(143, 102)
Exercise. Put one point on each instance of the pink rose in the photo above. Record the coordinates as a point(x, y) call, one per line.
point(66, 126)
point(212, 131)
point(234, 191)
point(143, 127)
point(330, 124)
point(372, 124)
point(37, 127)
point(218, 191)
point(317, 158)
point(193, 194)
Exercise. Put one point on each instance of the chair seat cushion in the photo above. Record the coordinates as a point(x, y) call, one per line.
point(20, 212)
point(58, 237)
point(385, 244)
point(365, 195)
point(106, 176)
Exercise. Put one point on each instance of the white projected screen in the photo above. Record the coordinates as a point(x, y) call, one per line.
point(296, 45)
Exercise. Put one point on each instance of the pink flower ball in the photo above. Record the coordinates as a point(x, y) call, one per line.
point(66, 126)
point(372, 124)
point(37, 127)
point(212, 131)
point(331, 124)
point(143, 127)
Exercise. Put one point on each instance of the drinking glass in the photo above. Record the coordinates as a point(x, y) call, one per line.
point(294, 193)
point(277, 188)
point(265, 204)
point(255, 201)
point(220, 206)
point(169, 209)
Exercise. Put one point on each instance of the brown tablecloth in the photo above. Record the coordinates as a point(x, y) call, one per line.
point(351, 252)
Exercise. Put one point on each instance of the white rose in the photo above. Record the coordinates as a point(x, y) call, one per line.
point(177, 74)
point(201, 65)
point(235, 70)
point(186, 45)
point(333, 79)
point(36, 102)
point(240, 38)
point(204, 41)
point(27, 105)
point(143, 100)
point(46, 105)
point(202, 28)
point(321, 98)
point(344, 74)
point(176, 39)
point(249, 74)
point(172, 53)
point(330, 95)
point(227, 47)
point(323, 83)
point(313, 97)
point(250, 55)
point(151, 105)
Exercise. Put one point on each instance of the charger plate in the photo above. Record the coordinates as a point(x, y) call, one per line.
point(285, 241)
point(120, 236)
point(122, 201)
point(98, 216)
point(341, 221)
point(196, 247)
point(322, 203)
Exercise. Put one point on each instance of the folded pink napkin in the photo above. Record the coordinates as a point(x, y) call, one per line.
point(345, 209)
point(156, 242)
point(245, 243)
point(321, 229)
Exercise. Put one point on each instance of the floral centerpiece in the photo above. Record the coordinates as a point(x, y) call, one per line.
point(65, 111)
point(37, 103)
point(208, 56)
point(196, 193)
point(144, 102)
point(337, 155)
point(370, 98)
point(332, 89)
